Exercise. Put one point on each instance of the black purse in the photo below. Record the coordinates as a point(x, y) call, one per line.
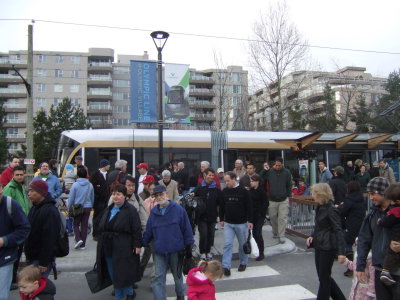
point(94, 282)
point(247, 244)
point(76, 210)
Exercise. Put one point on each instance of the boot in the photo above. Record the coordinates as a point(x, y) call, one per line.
point(260, 245)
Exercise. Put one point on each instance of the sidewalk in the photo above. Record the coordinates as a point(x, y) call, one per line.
point(83, 260)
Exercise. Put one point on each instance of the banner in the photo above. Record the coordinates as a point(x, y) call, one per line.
point(143, 92)
point(176, 97)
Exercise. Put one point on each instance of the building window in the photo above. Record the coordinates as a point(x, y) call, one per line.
point(58, 88)
point(74, 88)
point(75, 74)
point(12, 132)
point(74, 101)
point(59, 59)
point(235, 77)
point(41, 102)
point(121, 96)
point(235, 101)
point(12, 116)
point(41, 87)
point(237, 89)
point(121, 70)
point(121, 83)
point(121, 108)
point(13, 147)
point(58, 73)
point(57, 101)
point(120, 122)
point(42, 73)
point(75, 60)
point(42, 58)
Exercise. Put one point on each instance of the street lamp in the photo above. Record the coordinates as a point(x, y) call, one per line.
point(159, 39)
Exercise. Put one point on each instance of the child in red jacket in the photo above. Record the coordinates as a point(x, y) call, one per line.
point(200, 280)
point(34, 286)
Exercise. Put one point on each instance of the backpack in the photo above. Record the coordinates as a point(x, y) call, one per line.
point(61, 248)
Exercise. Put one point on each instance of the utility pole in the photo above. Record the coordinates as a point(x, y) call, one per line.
point(29, 104)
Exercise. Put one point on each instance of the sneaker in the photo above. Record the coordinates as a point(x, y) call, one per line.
point(348, 273)
point(82, 248)
point(78, 244)
point(203, 256)
point(242, 268)
point(209, 256)
point(282, 240)
point(260, 257)
point(386, 278)
point(227, 272)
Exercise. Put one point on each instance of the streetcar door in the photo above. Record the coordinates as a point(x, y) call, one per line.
point(227, 159)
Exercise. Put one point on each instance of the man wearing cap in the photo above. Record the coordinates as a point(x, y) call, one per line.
point(54, 185)
point(142, 169)
point(220, 176)
point(146, 182)
point(101, 193)
point(183, 178)
point(338, 185)
point(45, 227)
point(376, 239)
point(169, 229)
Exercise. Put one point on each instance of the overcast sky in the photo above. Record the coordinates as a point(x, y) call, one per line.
point(356, 24)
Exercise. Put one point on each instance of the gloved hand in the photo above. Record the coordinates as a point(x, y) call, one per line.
point(188, 251)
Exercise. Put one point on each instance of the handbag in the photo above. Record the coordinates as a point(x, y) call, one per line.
point(255, 252)
point(78, 209)
point(247, 244)
point(188, 264)
point(92, 278)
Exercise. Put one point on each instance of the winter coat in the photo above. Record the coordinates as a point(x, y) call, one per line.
point(172, 189)
point(14, 230)
point(170, 232)
point(6, 176)
point(363, 180)
point(183, 179)
point(101, 192)
point(137, 203)
point(349, 174)
point(199, 289)
point(148, 204)
point(17, 192)
point(328, 234)
point(279, 184)
point(81, 193)
point(239, 172)
point(353, 211)
point(212, 197)
point(387, 172)
point(324, 176)
point(339, 189)
point(358, 290)
point(392, 222)
point(260, 202)
point(216, 179)
point(118, 239)
point(70, 177)
point(45, 229)
point(46, 291)
point(236, 206)
point(375, 238)
point(55, 188)
point(112, 176)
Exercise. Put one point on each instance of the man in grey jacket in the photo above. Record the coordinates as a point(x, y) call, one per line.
point(324, 175)
point(279, 191)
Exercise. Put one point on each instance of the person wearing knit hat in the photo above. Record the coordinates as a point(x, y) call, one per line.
point(104, 163)
point(45, 227)
point(375, 238)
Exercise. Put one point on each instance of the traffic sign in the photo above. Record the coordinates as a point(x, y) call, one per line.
point(28, 161)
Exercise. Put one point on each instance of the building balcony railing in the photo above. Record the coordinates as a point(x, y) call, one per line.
point(16, 121)
point(94, 92)
point(99, 64)
point(201, 92)
point(205, 117)
point(99, 77)
point(99, 80)
point(202, 103)
point(15, 136)
point(14, 150)
point(14, 105)
point(99, 109)
point(12, 91)
point(6, 60)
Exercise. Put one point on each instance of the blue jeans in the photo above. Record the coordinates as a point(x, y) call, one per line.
point(161, 263)
point(230, 230)
point(6, 272)
point(120, 293)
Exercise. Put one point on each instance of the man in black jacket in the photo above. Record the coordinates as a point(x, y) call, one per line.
point(376, 239)
point(183, 178)
point(338, 185)
point(101, 193)
point(45, 227)
point(235, 214)
point(207, 219)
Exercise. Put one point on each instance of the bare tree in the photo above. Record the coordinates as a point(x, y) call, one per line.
point(277, 49)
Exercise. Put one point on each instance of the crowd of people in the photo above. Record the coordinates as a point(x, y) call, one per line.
point(149, 214)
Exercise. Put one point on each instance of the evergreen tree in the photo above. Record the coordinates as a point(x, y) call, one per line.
point(3, 133)
point(297, 117)
point(361, 115)
point(48, 127)
point(326, 119)
point(393, 88)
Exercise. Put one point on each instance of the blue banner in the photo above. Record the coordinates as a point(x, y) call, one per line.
point(143, 92)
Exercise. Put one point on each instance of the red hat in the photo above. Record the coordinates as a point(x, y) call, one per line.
point(40, 186)
point(148, 179)
point(143, 165)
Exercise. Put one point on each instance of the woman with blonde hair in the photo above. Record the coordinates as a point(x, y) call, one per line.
point(327, 240)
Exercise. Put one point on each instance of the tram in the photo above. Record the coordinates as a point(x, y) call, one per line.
point(300, 150)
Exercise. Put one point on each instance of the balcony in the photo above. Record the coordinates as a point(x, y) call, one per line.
point(8, 78)
point(99, 80)
point(14, 150)
point(99, 94)
point(14, 108)
point(201, 104)
point(12, 93)
point(101, 123)
point(201, 79)
point(99, 66)
point(17, 123)
point(201, 92)
point(99, 109)
point(16, 138)
point(202, 117)
point(7, 63)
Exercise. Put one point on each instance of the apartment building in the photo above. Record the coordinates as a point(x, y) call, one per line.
point(101, 86)
point(305, 89)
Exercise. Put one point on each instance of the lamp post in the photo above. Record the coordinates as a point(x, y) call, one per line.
point(159, 39)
